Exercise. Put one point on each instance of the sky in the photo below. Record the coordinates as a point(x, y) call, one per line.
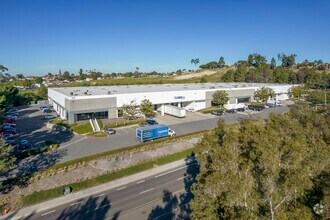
point(42, 36)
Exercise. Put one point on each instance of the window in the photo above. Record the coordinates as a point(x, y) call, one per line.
point(97, 115)
point(243, 99)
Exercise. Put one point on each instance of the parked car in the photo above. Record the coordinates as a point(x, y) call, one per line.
point(110, 131)
point(231, 111)
point(9, 120)
point(43, 107)
point(12, 109)
point(49, 116)
point(143, 124)
point(270, 105)
point(8, 132)
point(11, 141)
point(24, 144)
point(241, 109)
point(219, 112)
point(9, 124)
point(14, 117)
point(47, 110)
point(7, 136)
point(151, 122)
point(279, 104)
point(11, 113)
point(7, 127)
point(256, 107)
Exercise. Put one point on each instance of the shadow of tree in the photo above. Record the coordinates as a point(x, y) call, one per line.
point(90, 209)
point(177, 206)
point(20, 175)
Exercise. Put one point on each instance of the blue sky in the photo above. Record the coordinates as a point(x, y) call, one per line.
point(42, 36)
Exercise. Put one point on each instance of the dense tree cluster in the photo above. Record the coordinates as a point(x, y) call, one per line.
point(275, 169)
point(265, 74)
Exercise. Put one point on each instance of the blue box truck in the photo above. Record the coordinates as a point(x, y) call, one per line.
point(153, 132)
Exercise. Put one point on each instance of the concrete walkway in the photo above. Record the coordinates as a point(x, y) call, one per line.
point(91, 191)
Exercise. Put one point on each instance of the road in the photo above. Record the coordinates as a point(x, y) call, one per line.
point(126, 136)
point(162, 196)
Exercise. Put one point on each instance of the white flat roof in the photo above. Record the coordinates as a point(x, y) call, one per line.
point(129, 89)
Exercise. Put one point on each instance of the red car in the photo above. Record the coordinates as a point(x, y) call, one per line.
point(8, 132)
point(11, 120)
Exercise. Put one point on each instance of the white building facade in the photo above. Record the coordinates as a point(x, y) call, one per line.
point(81, 103)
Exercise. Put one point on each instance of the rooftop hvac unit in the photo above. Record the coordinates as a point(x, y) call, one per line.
point(109, 92)
point(212, 87)
point(85, 93)
point(71, 93)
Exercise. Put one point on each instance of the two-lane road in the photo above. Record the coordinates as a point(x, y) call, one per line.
point(160, 196)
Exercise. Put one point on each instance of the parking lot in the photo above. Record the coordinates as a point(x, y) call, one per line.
point(31, 126)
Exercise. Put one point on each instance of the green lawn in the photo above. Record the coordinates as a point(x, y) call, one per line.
point(83, 128)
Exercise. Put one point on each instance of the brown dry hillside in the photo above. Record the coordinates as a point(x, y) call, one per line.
point(201, 73)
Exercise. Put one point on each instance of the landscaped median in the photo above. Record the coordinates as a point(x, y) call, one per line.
point(41, 196)
point(118, 151)
point(95, 169)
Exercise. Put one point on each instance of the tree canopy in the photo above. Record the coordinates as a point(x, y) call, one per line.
point(264, 93)
point(6, 157)
point(220, 97)
point(263, 169)
point(147, 108)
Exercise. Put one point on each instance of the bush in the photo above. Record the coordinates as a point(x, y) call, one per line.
point(97, 134)
point(27, 153)
point(83, 128)
point(210, 109)
point(117, 124)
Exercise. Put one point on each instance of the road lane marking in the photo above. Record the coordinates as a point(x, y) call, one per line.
point(147, 203)
point(100, 195)
point(121, 188)
point(48, 213)
point(146, 191)
point(163, 174)
point(142, 181)
point(76, 203)
point(181, 178)
point(103, 206)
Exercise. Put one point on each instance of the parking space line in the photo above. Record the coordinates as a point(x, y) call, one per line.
point(66, 145)
point(124, 130)
point(142, 181)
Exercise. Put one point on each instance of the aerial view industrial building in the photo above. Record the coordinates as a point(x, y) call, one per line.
point(81, 103)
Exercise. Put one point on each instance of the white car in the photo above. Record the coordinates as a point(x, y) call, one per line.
point(171, 132)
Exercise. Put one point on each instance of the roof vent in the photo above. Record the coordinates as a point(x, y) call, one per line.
point(109, 92)
point(212, 87)
point(71, 93)
point(85, 93)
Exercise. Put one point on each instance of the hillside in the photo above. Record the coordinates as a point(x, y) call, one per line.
point(201, 73)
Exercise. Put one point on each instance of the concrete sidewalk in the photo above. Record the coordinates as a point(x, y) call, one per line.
point(25, 212)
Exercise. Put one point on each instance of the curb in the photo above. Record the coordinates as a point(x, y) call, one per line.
point(26, 212)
